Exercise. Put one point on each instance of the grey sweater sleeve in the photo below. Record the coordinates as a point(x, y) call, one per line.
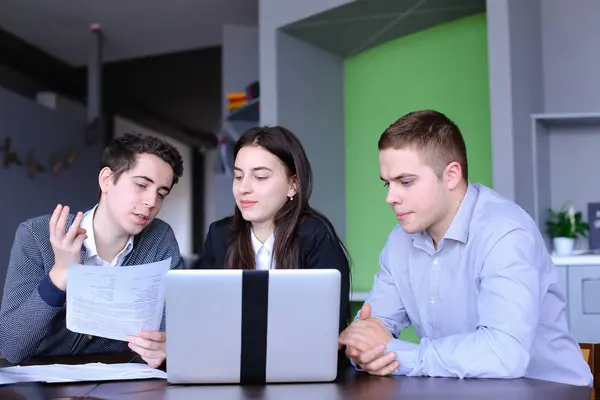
point(30, 302)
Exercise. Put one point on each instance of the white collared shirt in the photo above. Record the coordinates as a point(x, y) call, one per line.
point(263, 252)
point(92, 257)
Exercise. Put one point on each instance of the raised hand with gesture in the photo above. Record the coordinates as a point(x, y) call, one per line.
point(66, 244)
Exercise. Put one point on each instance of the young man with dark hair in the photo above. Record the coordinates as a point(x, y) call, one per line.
point(467, 268)
point(137, 173)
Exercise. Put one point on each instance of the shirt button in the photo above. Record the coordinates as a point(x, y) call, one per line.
point(432, 301)
point(435, 261)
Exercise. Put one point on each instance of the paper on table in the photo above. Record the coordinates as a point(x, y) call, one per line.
point(114, 302)
point(57, 373)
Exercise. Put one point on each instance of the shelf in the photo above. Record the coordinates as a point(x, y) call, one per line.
point(553, 137)
point(248, 112)
point(577, 258)
point(567, 119)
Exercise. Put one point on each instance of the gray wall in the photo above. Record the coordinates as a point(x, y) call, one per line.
point(310, 93)
point(571, 33)
point(501, 98)
point(544, 58)
point(240, 61)
point(574, 156)
point(302, 88)
point(527, 91)
point(239, 68)
point(516, 92)
point(35, 128)
point(18, 83)
point(274, 14)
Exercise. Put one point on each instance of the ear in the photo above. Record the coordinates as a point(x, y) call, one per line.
point(105, 179)
point(453, 175)
point(293, 186)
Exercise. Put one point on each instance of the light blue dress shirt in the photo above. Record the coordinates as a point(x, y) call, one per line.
point(485, 303)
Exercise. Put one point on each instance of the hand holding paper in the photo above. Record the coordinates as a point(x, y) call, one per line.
point(151, 346)
point(116, 302)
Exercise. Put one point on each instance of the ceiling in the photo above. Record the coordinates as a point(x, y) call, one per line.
point(357, 26)
point(132, 28)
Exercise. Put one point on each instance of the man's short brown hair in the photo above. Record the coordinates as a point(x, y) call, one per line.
point(434, 135)
point(120, 154)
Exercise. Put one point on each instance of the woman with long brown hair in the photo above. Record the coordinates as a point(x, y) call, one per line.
point(273, 225)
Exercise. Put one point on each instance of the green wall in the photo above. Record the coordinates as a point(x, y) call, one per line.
point(443, 68)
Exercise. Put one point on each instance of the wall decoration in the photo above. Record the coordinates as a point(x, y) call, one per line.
point(70, 157)
point(10, 157)
point(58, 162)
point(33, 167)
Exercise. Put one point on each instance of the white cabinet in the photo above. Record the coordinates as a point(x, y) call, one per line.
point(579, 279)
point(584, 302)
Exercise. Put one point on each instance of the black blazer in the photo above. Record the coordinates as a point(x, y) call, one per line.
point(318, 247)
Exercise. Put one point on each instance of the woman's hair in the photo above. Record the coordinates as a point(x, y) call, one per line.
point(283, 144)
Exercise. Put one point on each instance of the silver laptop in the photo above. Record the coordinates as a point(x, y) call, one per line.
point(235, 326)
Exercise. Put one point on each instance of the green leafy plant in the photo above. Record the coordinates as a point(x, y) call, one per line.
point(566, 223)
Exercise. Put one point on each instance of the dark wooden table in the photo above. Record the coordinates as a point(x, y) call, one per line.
point(349, 385)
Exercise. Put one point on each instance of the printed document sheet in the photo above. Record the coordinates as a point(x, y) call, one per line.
point(113, 302)
point(58, 373)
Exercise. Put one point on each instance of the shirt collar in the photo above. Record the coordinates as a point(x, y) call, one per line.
point(87, 223)
point(257, 245)
point(459, 227)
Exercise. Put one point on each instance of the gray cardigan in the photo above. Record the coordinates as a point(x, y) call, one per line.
point(33, 317)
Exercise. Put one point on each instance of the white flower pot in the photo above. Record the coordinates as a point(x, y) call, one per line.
point(563, 245)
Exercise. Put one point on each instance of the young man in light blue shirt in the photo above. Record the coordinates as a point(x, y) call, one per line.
point(467, 268)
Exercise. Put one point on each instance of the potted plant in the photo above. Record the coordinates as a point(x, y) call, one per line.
point(564, 226)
